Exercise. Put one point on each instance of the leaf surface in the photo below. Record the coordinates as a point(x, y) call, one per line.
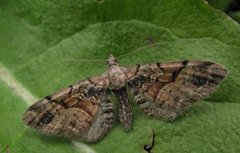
point(38, 36)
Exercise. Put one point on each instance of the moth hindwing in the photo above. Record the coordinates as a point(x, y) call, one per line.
point(85, 110)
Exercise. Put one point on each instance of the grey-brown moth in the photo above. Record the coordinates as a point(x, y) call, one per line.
point(162, 90)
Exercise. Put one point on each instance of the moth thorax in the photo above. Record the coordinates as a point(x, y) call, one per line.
point(117, 77)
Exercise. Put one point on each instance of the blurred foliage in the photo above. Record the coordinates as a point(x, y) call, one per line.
point(220, 4)
point(231, 7)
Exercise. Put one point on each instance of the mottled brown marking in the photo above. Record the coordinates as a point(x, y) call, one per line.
point(152, 91)
point(182, 83)
point(166, 78)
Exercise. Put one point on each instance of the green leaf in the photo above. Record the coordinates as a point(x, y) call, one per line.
point(38, 36)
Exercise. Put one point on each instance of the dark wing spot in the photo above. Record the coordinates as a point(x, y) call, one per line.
point(90, 81)
point(159, 66)
point(60, 102)
point(218, 76)
point(199, 81)
point(140, 101)
point(71, 89)
point(107, 111)
point(139, 80)
point(138, 66)
point(207, 64)
point(46, 118)
point(174, 75)
point(185, 62)
point(92, 92)
point(48, 98)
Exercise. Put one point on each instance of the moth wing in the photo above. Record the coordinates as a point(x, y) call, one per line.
point(83, 110)
point(166, 90)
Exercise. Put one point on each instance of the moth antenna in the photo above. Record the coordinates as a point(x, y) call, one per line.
point(140, 49)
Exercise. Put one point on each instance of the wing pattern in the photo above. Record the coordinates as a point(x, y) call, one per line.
point(166, 90)
point(83, 110)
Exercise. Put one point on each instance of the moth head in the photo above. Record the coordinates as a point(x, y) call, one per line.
point(112, 60)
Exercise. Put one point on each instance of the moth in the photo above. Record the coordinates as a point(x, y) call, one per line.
point(163, 90)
